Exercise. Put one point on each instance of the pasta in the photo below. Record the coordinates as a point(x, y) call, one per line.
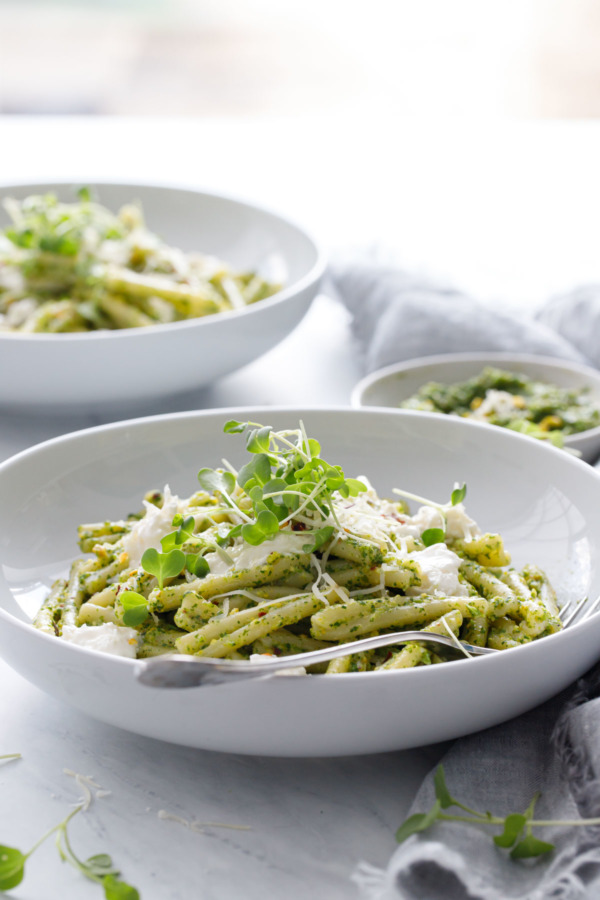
point(72, 267)
point(512, 400)
point(288, 555)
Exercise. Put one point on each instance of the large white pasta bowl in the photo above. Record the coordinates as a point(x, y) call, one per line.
point(138, 365)
point(544, 502)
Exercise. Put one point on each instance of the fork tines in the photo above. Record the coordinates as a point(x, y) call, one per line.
point(572, 616)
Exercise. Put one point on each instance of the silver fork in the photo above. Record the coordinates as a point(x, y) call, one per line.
point(180, 671)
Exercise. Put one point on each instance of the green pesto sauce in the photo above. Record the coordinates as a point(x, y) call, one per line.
point(544, 411)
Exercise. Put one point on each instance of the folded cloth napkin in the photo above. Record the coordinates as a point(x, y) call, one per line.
point(555, 749)
point(399, 316)
point(576, 317)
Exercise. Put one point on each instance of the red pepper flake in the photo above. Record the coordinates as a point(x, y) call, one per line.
point(263, 613)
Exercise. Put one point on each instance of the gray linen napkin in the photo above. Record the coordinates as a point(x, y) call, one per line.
point(576, 317)
point(399, 316)
point(555, 749)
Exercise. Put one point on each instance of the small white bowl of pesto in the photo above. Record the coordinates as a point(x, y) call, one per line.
point(545, 398)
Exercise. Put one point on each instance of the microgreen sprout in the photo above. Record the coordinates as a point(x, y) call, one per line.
point(185, 530)
point(319, 537)
point(433, 536)
point(196, 565)
point(233, 427)
point(216, 480)
point(265, 527)
point(85, 194)
point(163, 565)
point(458, 494)
point(516, 833)
point(285, 477)
point(135, 608)
point(172, 560)
point(97, 868)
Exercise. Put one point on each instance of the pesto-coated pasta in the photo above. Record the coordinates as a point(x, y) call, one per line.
point(78, 267)
point(288, 555)
point(512, 400)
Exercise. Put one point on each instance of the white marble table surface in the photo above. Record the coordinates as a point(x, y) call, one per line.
point(509, 211)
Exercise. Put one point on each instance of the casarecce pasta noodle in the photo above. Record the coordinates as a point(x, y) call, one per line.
point(288, 555)
point(77, 267)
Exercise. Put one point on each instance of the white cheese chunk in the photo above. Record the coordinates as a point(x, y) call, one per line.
point(459, 524)
point(151, 528)
point(439, 567)
point(107, 638)
point(19, 311)
point(246, 556)
point(381, 521)
point(497, 405)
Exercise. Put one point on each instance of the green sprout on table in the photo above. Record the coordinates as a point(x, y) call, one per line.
point(98, 868)
point(516, 827)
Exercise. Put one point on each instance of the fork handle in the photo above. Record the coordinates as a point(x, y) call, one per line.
point(179, 671)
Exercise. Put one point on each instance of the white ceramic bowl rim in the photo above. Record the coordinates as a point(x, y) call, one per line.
point(142, 333)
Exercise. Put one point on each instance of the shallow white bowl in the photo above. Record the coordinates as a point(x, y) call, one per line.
point(544, 502)
point(393, 384)
point(108, 368)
